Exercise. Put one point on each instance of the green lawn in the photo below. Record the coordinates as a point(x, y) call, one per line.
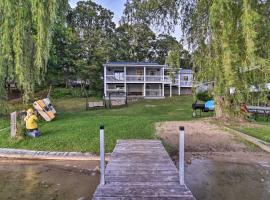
point(3, 123)
point(261, 132)
point(78, 130)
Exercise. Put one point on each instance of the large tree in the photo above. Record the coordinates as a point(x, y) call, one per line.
point(229, 38)
point(166, 43)
point(25, 36)
point(94, 28)
point(134, 42)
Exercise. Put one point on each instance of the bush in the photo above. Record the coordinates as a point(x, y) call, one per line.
point(204, 96)
point(68, 92)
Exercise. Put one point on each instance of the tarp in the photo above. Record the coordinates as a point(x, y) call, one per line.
point(210, 104)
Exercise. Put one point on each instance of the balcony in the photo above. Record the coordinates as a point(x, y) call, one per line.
point(134, 78)
point(113, 78)
point(153, 78)
point(148, 78)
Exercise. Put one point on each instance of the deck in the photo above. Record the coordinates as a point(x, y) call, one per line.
point(141, 169)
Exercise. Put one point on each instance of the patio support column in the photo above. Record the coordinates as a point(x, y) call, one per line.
point(144, 80)
point(125, 79)
point(144, 92)
point(179, 84)
point(144, 74)
point(105, 81)
point(163, 89)
point(170, 90)
point(162, 74)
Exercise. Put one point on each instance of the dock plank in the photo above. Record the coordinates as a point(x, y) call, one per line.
point(141, 169)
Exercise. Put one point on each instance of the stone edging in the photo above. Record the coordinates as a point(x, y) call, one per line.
point(260, 143)
point(47, 155)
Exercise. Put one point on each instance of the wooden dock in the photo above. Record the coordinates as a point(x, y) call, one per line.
point(141, 169)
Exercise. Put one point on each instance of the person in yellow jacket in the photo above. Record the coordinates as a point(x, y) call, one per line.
point(31, 124)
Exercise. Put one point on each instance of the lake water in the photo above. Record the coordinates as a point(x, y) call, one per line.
point(216, 180)
point(73, 180)
point(47, 180)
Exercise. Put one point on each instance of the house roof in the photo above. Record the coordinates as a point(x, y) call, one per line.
point(132, 64)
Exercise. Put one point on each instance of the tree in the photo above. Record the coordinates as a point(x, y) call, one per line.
point(25, 29)
point(134, 42)
point(65, 49)
point(229, 40)
point(166, 43)
point(94, 28)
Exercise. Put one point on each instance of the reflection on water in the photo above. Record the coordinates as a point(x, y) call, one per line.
point(212, 180)
point(48, 180)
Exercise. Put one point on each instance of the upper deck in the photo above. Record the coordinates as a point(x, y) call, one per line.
point(145, 72)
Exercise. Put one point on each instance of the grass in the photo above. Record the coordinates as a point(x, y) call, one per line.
point(78, 130)
point(261, 132)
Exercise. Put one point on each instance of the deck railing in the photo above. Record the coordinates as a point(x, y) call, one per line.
point(114, 78)
point(135, 78)
point(186, 83)
point(148, 78)
point(153, 78)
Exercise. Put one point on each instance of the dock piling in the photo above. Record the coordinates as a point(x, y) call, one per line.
point(102, 156)
point(181, 155)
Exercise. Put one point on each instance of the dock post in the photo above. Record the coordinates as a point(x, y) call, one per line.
point(181, 155)
point(102, 156)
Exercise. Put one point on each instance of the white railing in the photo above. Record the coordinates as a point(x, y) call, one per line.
point(115, 90)
point(186, 83)
point(148, 78)
point(135, 78)
point(153, 78)
point(153, 92)
point(114, 78)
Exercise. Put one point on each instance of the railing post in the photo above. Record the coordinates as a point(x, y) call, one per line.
point(102, 156)
point(181, 154)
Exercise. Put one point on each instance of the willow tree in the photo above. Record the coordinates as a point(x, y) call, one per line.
point(25, 35)
point(229, 39)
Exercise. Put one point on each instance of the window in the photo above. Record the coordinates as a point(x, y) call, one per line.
point(185, 78)
point(119, 75)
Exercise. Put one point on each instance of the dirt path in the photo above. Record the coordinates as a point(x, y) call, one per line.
point(203, 136)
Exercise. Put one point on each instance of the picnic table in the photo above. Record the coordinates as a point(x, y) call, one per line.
point(259, 110)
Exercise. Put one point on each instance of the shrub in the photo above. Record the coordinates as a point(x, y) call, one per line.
point(68, 92)
point(204, 96)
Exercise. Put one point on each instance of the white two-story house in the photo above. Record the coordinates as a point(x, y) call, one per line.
point(146, 80)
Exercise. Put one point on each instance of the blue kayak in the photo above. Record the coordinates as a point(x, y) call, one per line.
point(210, 104)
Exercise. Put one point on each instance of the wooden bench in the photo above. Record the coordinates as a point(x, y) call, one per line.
point(94, 105)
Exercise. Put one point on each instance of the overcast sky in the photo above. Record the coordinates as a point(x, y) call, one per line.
point(117, 7)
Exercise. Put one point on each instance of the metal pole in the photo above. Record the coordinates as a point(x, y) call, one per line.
point(102, 156)
point(181, 155)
